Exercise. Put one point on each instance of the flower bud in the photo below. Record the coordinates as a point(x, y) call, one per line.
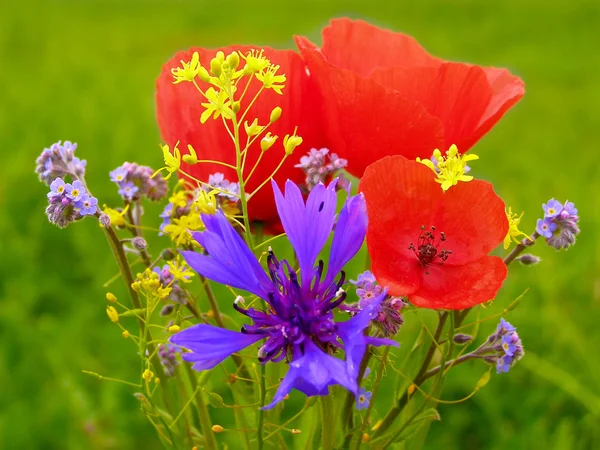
point(528, 259)
point(252, 129)
point(168, 254)
point(168, 309)
point(366, 438)
point(291, 142)
point(215, 67)
point(148, 375)
point(111, 297)
point(461, 338)
point(220, 56)
point(192, 158)
point(136, 286)
point(234, 60)
point(275, 114)
point(215, 400)
point(203, 74)
point(236, 107)
point(139, 243)
point(112, 314)
point(125, 334)
point(217, 429)
point(267, 142)
point(295, 431)
point(104, 220)
point(174, 329)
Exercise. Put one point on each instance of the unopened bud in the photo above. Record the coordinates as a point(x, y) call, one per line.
point(157, 380)
point(234, 60)
point(220, 56)
point(236, 107)
point(125, 334)
point(111, 297)
point(411, 389)
point(275, 114)
point(366, 438)
point(462, 338)
point(104, 220)
point(225, 66)
point(148, 375)
point(174, 329)
point(168, 309)
point(528, 259)
point(136, 286)
point(168, 254)
point(203, 74)
point(139, 243)
point(112, 314)
point(217, 429)
point(215, 400)
point(215, 67)
point(296, 431)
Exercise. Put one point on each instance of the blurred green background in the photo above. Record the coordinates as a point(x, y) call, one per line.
point(85, 71)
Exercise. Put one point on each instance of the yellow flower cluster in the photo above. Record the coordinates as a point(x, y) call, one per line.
point(513, 228)
point(450, 169)
point(149, 282)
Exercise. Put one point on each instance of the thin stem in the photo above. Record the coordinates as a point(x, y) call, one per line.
point(255, 165)
point(212, 161)
point(451, 363)
point(269, 177)
point(136, 232)
point(261, 412)
point(403, 400)
point(348, 408)
point(203, 416)
point(327, 422)
point(520, 247)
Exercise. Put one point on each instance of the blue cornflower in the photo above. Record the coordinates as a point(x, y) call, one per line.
point(545, 227)
point(552, 208)
point(128, 190)
point(88, 205)
point(298, 324)
point(75, 191)
point(560, 224)
point(363, 398)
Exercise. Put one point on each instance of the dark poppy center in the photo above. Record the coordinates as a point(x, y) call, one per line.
point(427, 250)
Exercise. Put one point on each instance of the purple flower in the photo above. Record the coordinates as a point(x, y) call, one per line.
point(59, 161)
point(127, 190)
point(319, 166)
point(363, 279)
point(545, 227)
point(298, 322)
point(503, 347)
point(503, 364)
point(552, 208)
point(166, 217)
point(88, 205)
point(167, 355)
point(570, 209)
point(504, 327)
point(118, 175)
point(229, 191)
point(363, 398)
point(75, 191)
point(57, 188)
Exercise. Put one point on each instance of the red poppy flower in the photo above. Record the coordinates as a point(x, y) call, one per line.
point(384, 95)
point(431, 245)
point(179, 111)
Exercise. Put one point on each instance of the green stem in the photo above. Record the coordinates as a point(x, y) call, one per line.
point(395, 411)
point(348, 408)
point(203, 416)
point(242, 183)
point(261, 412)
point(327, 422)
point(520, 247)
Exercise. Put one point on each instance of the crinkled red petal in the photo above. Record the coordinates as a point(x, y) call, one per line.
point(460, 287)
point(179, 110)
point(366, 121)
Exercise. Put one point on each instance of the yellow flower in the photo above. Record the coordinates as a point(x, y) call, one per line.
point(179, 230)
point(291, 142)
point(172, 161)
point(253, 129)
point(116, 217)
point(217, 105)
point(111, 297)
point(255, 61)
point(205, 203)
point(181, 272)
point(179, 199)
point(188, 70)
point(269, 79)
point(112, 314)
point(513, 228)
point(267, 142)
point(450, 169)
point(163, 292)
point(192, 158)
point(148, 375)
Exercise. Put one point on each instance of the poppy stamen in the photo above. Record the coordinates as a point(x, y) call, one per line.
point(427, 248)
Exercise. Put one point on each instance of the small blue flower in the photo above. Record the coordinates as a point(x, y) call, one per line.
point(57, 188)
point(363, 279)
point(545, 227)
point(508, 345)
point(75, 190)
point(128, 190)
point(363, 398)
point(504, 327)
point(504, 364)
point(88, 205)
point(570, 208)
point(552, 208)
point(118, 175)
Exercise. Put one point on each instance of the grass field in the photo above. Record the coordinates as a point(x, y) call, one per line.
point(84, 71)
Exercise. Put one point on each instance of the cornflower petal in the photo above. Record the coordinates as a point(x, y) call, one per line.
point(230, 261)
point(211, 345)
point(313, 373)
point(317, 215)
point(349, 234)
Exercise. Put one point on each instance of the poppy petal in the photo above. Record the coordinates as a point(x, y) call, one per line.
point(458, 94)
point(401, 197)
point(366, 121)
point(359, 46)
point(460, 287)
point(473, 219)
point(179, 111)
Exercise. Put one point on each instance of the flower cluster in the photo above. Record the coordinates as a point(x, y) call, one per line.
point(320, 166)
point(135, 181)
point(58, 161)
point(450, 169)
point(506, 344)
point(388, 318)
point(167, 354)
point(559, 225)
point(69, 202)
point(167, 281)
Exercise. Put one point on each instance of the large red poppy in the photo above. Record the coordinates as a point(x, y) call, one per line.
point(384, 95)
point(179, 110)
point(431, 245)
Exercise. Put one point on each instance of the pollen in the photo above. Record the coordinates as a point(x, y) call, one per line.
point(450, 169)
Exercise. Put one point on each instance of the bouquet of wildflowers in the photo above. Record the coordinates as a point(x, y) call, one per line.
point(320, 200)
